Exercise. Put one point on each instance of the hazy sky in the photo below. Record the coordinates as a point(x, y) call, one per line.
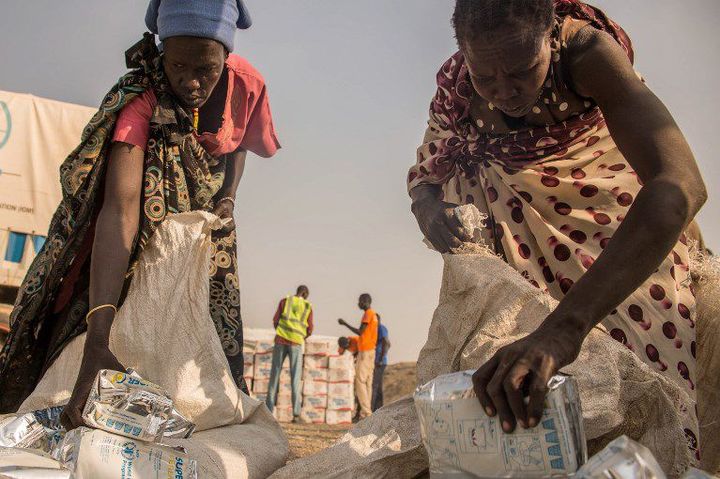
point(350, 83)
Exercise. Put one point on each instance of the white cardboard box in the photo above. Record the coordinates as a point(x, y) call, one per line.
point(345, 361)
point(312, 415)
point(315, 362)
point(261, 372)
point(315, 374)
point(315, 388)
point(338, 417)
point(341, 403)
point(341, 389)
point(248, 357)
point(283, 414)
point(260, 386)
point(284, 399)
point(340, 375)
point(315, 401)
point(286, 387)
point(321, 345)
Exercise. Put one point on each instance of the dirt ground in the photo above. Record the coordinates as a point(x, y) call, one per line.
point(307, 439)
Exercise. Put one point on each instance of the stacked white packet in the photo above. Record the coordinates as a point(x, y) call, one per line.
point(127, 405)
point(463, 441)
point(34, 430)
point(93, 453)
point(17, 463)
point(624, 458)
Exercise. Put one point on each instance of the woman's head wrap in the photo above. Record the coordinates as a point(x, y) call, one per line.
point(215, 19)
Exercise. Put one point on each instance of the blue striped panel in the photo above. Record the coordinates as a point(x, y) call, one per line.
point(38, 243)
point(15, 247)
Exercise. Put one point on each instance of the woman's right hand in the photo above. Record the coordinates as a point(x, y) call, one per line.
point(438, 222)
point(95, 358)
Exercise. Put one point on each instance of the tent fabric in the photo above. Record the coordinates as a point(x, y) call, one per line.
point(36, 134)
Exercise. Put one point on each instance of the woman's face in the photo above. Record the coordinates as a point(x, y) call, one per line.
point(507, 69)
point(193, 67)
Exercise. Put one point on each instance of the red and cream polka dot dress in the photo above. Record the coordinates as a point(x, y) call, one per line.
point(556, 191)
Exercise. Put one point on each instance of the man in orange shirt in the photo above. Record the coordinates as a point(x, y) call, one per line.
point(365, 360)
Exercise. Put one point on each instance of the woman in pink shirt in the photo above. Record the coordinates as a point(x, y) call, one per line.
point(171, 136)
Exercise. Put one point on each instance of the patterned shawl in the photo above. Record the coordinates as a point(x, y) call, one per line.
point(555, 194)
point(178, 176)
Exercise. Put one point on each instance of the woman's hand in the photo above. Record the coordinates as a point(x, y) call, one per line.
point(524, 366)
point(224, 209)
point(438, 222)
point(95, 358)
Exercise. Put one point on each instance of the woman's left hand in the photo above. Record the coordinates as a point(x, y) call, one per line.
point(224, 210)
point(524, 366)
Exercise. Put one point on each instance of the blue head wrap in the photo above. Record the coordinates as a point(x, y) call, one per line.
point(215, 19)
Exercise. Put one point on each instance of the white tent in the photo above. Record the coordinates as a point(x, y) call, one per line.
point(36, 135)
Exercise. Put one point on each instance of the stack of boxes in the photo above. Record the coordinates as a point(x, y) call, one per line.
point(283, 403)
point(263, 344)
point(327, 378)
point(315, 378)
point(341, 394)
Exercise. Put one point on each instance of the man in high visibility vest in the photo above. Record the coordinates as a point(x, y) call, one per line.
point(293, 323)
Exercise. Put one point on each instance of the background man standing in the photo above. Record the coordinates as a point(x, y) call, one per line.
point(381, 350)
point(293, 323)
point(365, 360)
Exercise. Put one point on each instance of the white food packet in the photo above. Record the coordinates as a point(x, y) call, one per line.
point(126, 404)
point(463, 441)
point(623, 458)
point(93, 453)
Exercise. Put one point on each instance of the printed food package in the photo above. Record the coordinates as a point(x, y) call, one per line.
point(341, 403)
point(315, 388)
point(284, 399)
point(260, 386)
point(311, 415)
point(127, 405)
point(321, 345)
point(34, 430)
point(283, 413)
point(334, 417)
point(261, 371)
point(315, 362)
point(315, 401)
point(340, 375)
point(315, 374)
point(16, 463)
point(623, 458)
point(340, 389)
point(461, 438)
point(93, 453)
point(343, 361)
point(21, 431)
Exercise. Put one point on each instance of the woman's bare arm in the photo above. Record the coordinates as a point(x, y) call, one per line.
point(115, 231)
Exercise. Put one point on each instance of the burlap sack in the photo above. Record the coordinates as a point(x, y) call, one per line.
point(165, 332)
point(485, 304)
point(706, 283)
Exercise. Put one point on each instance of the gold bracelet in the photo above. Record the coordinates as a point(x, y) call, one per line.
point(98, 308)
point(229, 198)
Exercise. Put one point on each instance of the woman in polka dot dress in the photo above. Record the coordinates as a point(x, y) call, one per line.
point(541, 122)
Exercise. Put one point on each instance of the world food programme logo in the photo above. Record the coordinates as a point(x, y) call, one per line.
point(128, 451)
point(5, 123)
point(5, 129)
